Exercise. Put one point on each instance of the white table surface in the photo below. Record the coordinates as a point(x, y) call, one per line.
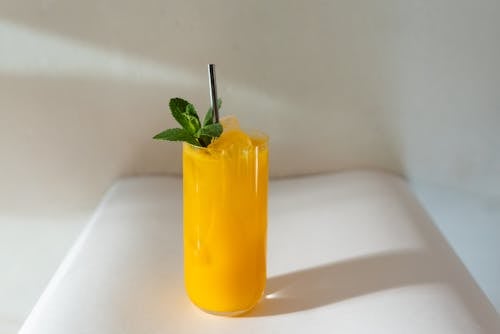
point(347, 253)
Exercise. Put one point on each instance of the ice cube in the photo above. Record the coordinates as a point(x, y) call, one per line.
point(232, 137)
point(230, 123)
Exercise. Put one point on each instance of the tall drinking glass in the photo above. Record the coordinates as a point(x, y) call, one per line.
point(225, 223)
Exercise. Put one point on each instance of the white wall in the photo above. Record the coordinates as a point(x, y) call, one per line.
point(407, 86)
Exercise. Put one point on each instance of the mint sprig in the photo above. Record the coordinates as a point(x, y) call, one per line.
point(209, 116)
point(192, 131)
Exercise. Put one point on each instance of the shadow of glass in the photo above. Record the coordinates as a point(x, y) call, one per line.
point(335, 282)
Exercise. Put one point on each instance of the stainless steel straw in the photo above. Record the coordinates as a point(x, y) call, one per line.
point(213, 92)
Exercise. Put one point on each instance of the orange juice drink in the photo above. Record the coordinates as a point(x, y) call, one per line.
point(225, 220)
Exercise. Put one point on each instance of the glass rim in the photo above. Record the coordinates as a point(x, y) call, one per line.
point(252, 133)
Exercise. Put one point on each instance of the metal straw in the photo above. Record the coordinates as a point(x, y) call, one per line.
point(213, 92)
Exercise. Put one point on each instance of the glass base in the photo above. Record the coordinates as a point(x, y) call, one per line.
point(228, 314)
point(233, 313)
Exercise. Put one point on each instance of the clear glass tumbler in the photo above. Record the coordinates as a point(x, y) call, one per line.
point(225, 224)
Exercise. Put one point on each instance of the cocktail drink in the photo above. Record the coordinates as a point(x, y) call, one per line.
point(225, 176)
point(225, 220)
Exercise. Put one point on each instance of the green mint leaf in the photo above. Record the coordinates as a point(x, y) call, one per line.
point(209, 116)
point(192, 132)
point(205, 140)
point(211, 130)
point(177, 134)
point(185, 114)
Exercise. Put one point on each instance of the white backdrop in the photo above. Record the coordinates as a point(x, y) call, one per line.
point(411, 87)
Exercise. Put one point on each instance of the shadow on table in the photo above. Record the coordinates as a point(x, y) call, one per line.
point(331, 283)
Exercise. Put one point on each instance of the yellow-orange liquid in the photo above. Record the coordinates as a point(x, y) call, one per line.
point(225, 223)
